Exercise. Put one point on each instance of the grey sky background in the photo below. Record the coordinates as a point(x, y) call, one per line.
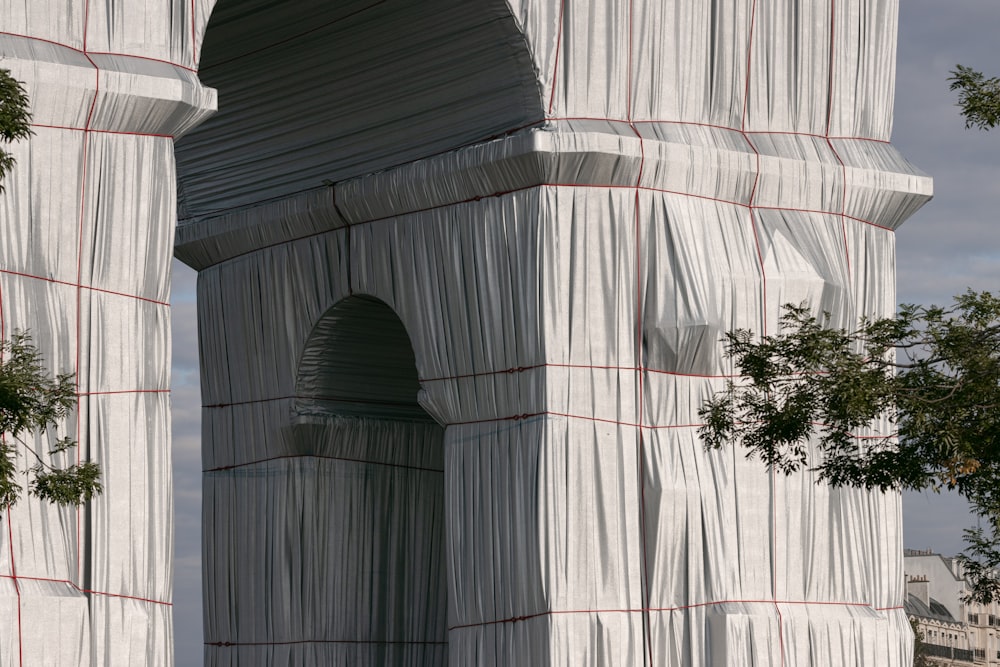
point(951, 244)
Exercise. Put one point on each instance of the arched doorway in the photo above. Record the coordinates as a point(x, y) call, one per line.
point(319, 491)
point(382, 597)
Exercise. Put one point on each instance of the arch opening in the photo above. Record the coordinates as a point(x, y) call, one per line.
point(316, 91)
point(359, 362)
point(381, 456)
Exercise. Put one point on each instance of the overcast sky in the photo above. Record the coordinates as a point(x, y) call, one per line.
point(951, 244)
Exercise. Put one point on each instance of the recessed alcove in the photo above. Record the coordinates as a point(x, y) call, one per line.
point(377, 553)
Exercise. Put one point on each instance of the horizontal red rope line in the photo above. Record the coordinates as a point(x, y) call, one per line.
point(503, 193)
point(555, 65)
point(194, 38)
point(520, 417)
point(325, 458)
point(138, 57)
point(67, 283)
point(528, 617)
point(651, 427)
point(374, 642)
point(380, 2)
point(509, 371)
point(625, 121)
point(550, 413)
point(97, 53)
point(86, 590)
point(336, 399)
point(644, 369)
point(624, 369)
point(96, 131)
point(256, 401)
point(358, 401)
point(536, 123)
point(17, 588)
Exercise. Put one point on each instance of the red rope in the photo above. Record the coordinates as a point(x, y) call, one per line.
point(85, 51)
point(84, 129)
point(86, 590)
point(674, 121)
point(698, 605)
point(17, 590)
point(522, 369)
point(79, 273)
point(86, 25)
point(79, 286)
point(322, 458)
point(517, 417)
point(194, 38)
point(763, 287)
point(829, 123)
point(555, 65)
point(640, 361)
point(525, 188)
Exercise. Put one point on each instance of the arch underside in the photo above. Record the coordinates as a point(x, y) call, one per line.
point(363, 496)
point(319, 91)
point(359, 362)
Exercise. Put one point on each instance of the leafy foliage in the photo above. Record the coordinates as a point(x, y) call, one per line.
point(930, 376)
point(15, 118)
point(32, 401)
point(920, 658)
point(978, 97)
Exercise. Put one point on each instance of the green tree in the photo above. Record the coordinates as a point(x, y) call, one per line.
point(920, 658)
point(978, 97)
point(15, 118)
point(932, 373)
point(31, 401)
point(931, 378)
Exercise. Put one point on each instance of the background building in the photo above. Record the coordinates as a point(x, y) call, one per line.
point(955, 632)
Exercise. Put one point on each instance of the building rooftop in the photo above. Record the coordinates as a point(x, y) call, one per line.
point(914, 606)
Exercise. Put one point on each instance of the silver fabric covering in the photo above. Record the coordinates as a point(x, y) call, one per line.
point(680, 168)
point(86, 232)
point(464, 271)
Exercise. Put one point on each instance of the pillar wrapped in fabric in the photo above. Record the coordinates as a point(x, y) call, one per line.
point(87, 222)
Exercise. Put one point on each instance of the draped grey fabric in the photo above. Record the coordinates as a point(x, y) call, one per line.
point(86, 233)
point(546, 214)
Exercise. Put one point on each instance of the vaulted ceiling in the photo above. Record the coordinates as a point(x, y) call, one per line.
point(313, 91)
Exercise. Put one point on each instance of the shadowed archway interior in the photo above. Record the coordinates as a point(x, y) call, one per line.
point(359, 362)
point(314, 90)
point(379, 594)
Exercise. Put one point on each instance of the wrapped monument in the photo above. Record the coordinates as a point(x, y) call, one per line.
point(464, 270)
